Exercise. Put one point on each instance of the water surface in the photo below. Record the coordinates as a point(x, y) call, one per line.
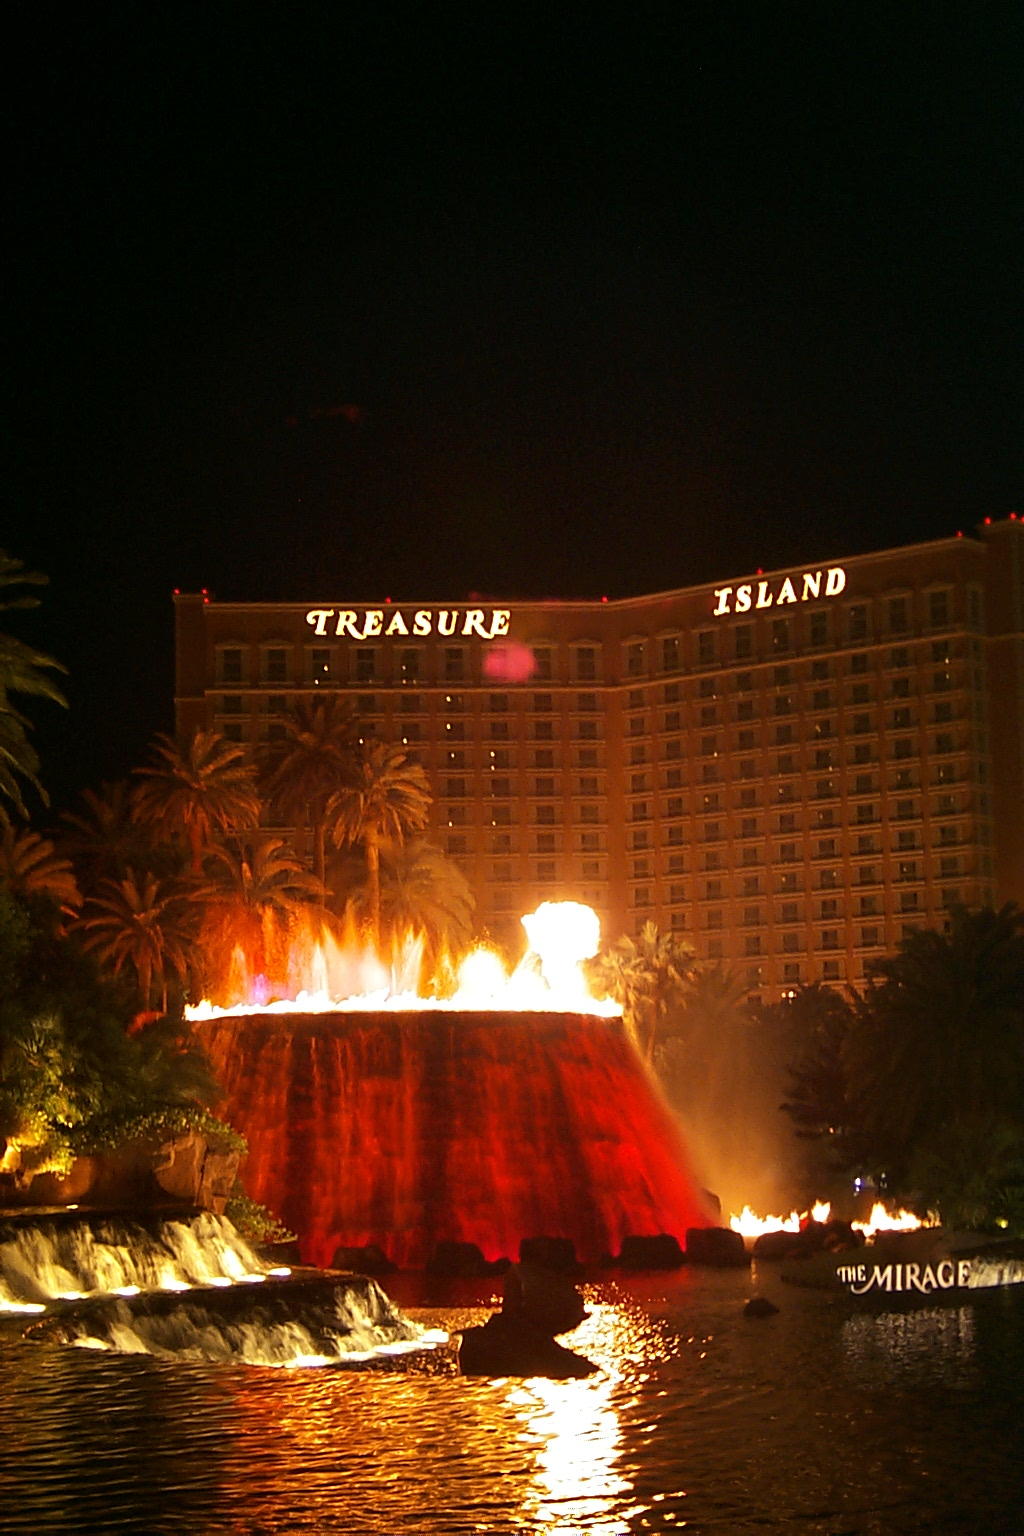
point(827, 1418)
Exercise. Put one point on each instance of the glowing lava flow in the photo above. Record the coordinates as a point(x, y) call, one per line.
point(405, 1125)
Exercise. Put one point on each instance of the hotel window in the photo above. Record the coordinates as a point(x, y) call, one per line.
point(231, 704)
point(319, 665)
point(229, 664)
point(409, 665)
point(544, 786)
point(670, 653)
point(751, 885)
point(498, 730)
point(546, 870)
point(672, 694)
point(938, 608)
point(588, 812)
point(544, 730)
point(544, 757)
point(791, 943)
point(454, 664)
point(232, 730)
point(499, 787)
point(456, 843)
point(501, 842)
point(641, 869)
point(501, 815)
point(945, 743)
point(819, 627)
point(592, 869)
point(455, 789)
point(499, 757)
point(747, 798)
point(497, 703)
point(752, 944)
point(787, 880)
point(706, 649)
point(365, 670)
point(744, 637)
point(635, 659)
point(585, 730)
point(942, 712)
point(744, 682)
point(543, 703)
point(455, 730)
point(906, 869)
point(898, 610)
point(783, 735)
point(585, 659)
point(830, 938)
point(411, 731)
point(542, 662)
point(857, 622)
point(780, 634)
point(275, 665)
point(544, 842)
point(586, 785)
point(791, 973)
point(586, 703)
point(671, 720)
point(830, 970)
point(455, 815)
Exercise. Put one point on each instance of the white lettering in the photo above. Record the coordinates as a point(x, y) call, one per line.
point(743, 596)
point(473, 623)
point(944, 1275)
point(421, 622)
point(346, 624)
point(963, 1272)
point(722, 606)
point(447, 620)
point(499, 621)
point(791, 589)
point(373, 622)
point(764, 599)
point(812, 585)
point(396, 624)
point(787, 592)
point(835, 581)
point(318, 618)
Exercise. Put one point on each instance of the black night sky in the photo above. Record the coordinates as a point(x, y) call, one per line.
point(356, 302)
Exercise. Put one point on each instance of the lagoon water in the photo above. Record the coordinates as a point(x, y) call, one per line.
point(828, 1419)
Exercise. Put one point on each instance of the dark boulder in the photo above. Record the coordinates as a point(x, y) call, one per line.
point(520, 1339)
point(760, 1306)
point(369, 1260)
point(458, 1261)
point(717, 1247)
point(557, 1254)
point(659, 1252)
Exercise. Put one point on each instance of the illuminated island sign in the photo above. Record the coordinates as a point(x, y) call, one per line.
point(369, 623)
point(775, 594)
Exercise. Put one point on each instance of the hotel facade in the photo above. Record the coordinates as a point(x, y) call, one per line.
point(792, 769)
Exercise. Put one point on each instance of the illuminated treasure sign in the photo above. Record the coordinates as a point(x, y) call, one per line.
point(791, 589)
point(369, 623)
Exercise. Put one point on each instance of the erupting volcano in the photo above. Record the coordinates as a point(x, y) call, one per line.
point(409, 1126)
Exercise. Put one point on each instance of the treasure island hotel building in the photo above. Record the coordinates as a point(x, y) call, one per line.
point(791, 768)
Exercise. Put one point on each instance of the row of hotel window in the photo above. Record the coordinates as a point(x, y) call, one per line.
point(640, 656)
point(860, 664)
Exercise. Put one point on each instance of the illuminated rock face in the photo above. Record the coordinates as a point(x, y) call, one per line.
point(408, 1129)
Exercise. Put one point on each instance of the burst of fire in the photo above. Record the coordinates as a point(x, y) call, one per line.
point(324, 974)
point(880, 1220)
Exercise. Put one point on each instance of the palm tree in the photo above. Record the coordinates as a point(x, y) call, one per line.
point(308, 763)
point(103, 838)
point(936, 1061)
point(649, 976)
point(23, 670)
point(424, 895)
point(197, 791)
point(30, 865)
point(144, 926)
point(386, 799)
point(252, 898)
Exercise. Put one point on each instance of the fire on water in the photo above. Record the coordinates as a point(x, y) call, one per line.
point(880, 1220)
point(561, 936)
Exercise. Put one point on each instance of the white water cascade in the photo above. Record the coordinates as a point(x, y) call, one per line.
point(189, 1287)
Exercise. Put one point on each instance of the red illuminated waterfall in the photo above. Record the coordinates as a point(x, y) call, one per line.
point(407, 1129)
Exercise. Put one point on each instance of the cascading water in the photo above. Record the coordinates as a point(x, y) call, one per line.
point(188, 1287)
point(408, 1129)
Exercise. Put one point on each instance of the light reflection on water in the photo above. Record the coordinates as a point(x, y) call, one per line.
point(822, 1419)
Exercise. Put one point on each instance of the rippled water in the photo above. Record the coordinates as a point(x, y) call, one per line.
point(823, 1419)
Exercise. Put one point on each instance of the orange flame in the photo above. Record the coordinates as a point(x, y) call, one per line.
point(314, 968)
